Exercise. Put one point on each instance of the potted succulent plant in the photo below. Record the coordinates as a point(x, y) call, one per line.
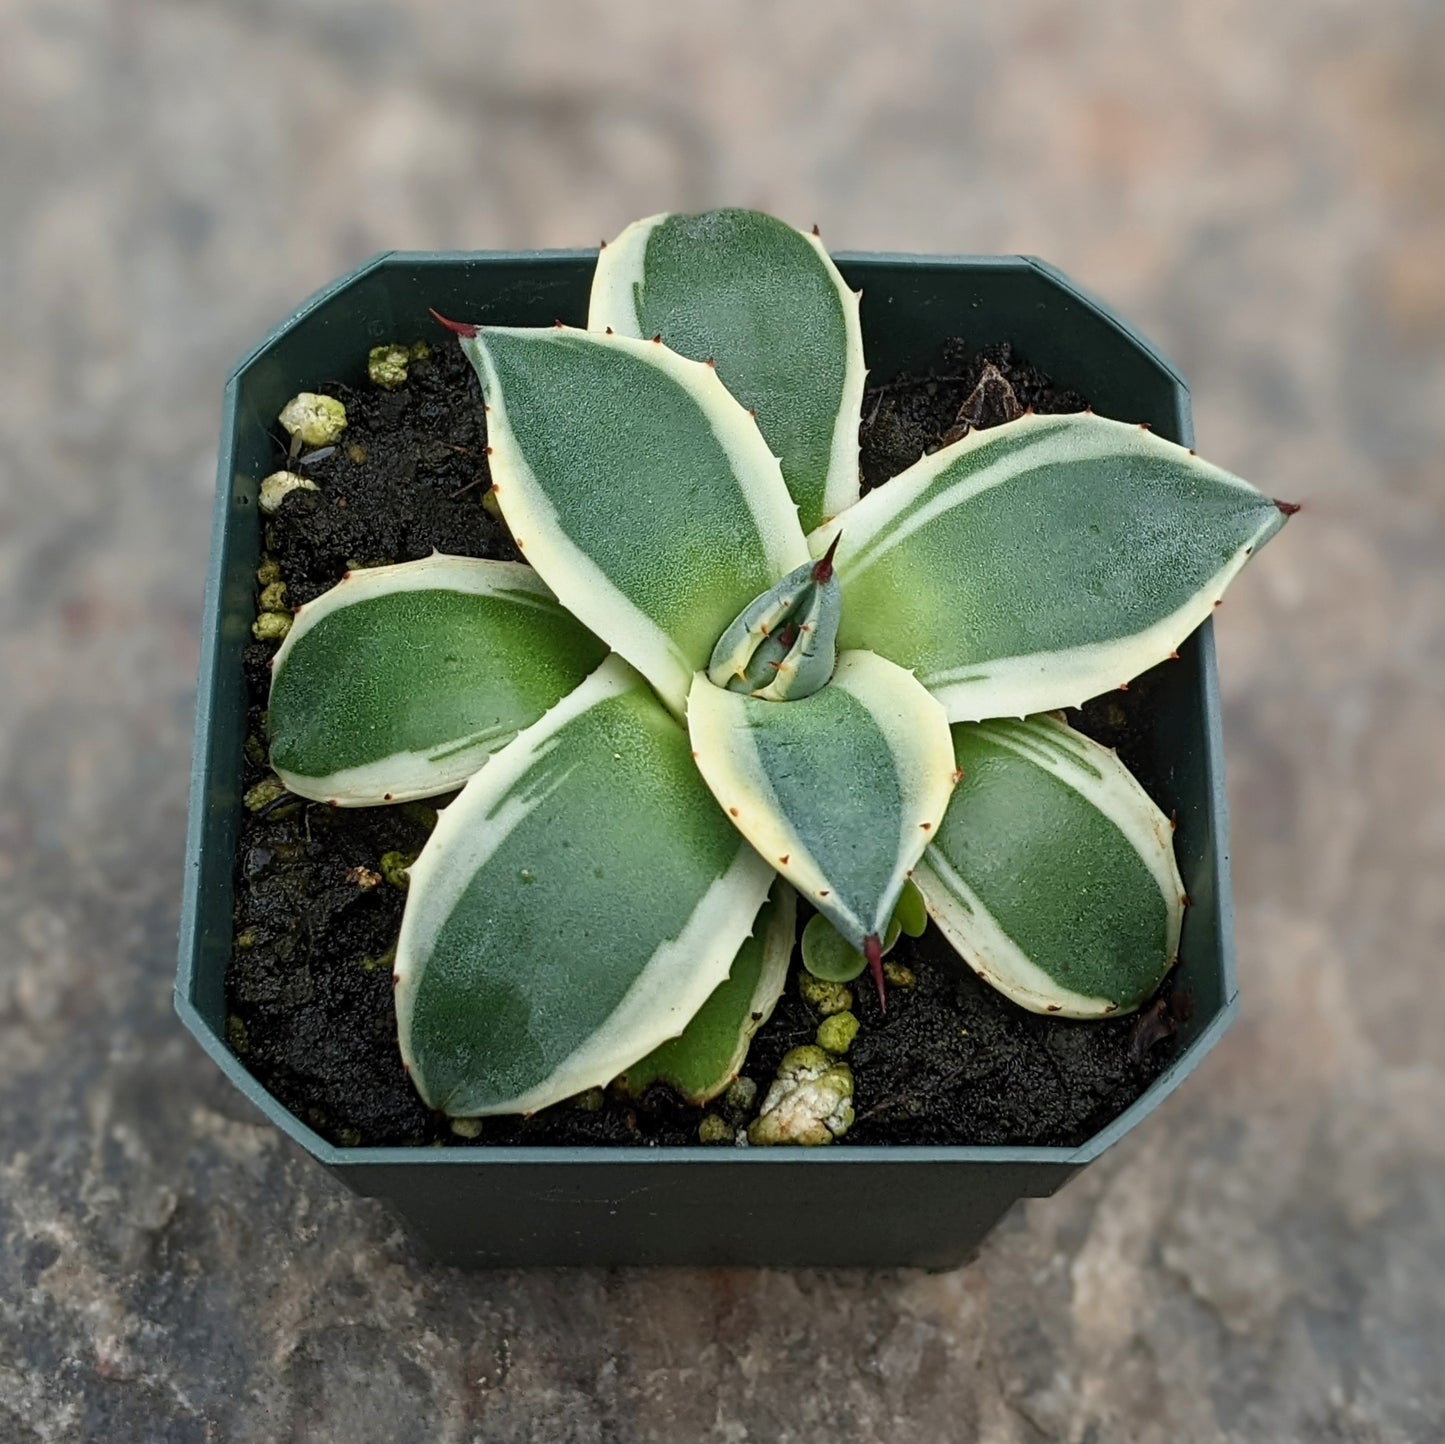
point(715, 684)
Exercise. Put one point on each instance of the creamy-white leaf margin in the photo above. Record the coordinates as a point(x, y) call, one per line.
point(1102, 781)
point(513, 660)
point(469, 863)
point(580, 580)
point(834, 757)
point(708, 1054)
point(621, 271)
point(918, 579)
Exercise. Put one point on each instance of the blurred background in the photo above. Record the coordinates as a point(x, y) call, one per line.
point(1260, 187)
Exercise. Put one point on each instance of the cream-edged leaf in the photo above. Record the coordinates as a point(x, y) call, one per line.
point(766, 302)
point(575, 907)
point(1036, 564)
point(640, 490)
point(401, 680)
point(706, 1056)
point(840, 792)
point(1053, 874)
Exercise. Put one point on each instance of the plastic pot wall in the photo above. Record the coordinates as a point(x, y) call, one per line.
point(845, 1205)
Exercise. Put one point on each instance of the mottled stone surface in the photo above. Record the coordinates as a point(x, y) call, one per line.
point(1261, 186)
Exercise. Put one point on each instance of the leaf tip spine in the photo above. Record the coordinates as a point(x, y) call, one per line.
point(1287, 508)
point(873, 951)
point(462, 328)
point(823, 571)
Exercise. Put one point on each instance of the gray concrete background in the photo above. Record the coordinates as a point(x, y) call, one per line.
point(1262, 187)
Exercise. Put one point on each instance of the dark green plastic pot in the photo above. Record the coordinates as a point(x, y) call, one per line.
point(842, 1205)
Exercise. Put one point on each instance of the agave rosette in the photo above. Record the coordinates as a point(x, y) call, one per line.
point(726, 681)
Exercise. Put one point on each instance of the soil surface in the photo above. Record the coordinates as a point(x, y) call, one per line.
point(309, 985)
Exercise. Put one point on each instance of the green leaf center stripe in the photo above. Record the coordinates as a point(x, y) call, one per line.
point(936, 485)
point(400, 680)
point(575, 907)
point(1041, 563)
point(1053, 873)
point(767, 303)
point(854, 849)
point(638, 488)
point(986, 946)
point(1098, 776)
point(838, 791)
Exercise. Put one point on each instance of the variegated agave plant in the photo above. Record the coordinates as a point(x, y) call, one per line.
point(807, 693)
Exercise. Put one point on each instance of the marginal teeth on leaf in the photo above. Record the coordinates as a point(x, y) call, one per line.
point(496, 634)
point(909, 540)
point(632, 978)
point(664, 267)
point(1037, 798)
point(705, 1059)
point(653, 412)
point(769, 764)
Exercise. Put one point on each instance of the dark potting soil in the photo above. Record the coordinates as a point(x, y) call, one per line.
point(309, 984)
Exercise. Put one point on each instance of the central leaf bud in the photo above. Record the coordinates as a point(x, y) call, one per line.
point(781, 646)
